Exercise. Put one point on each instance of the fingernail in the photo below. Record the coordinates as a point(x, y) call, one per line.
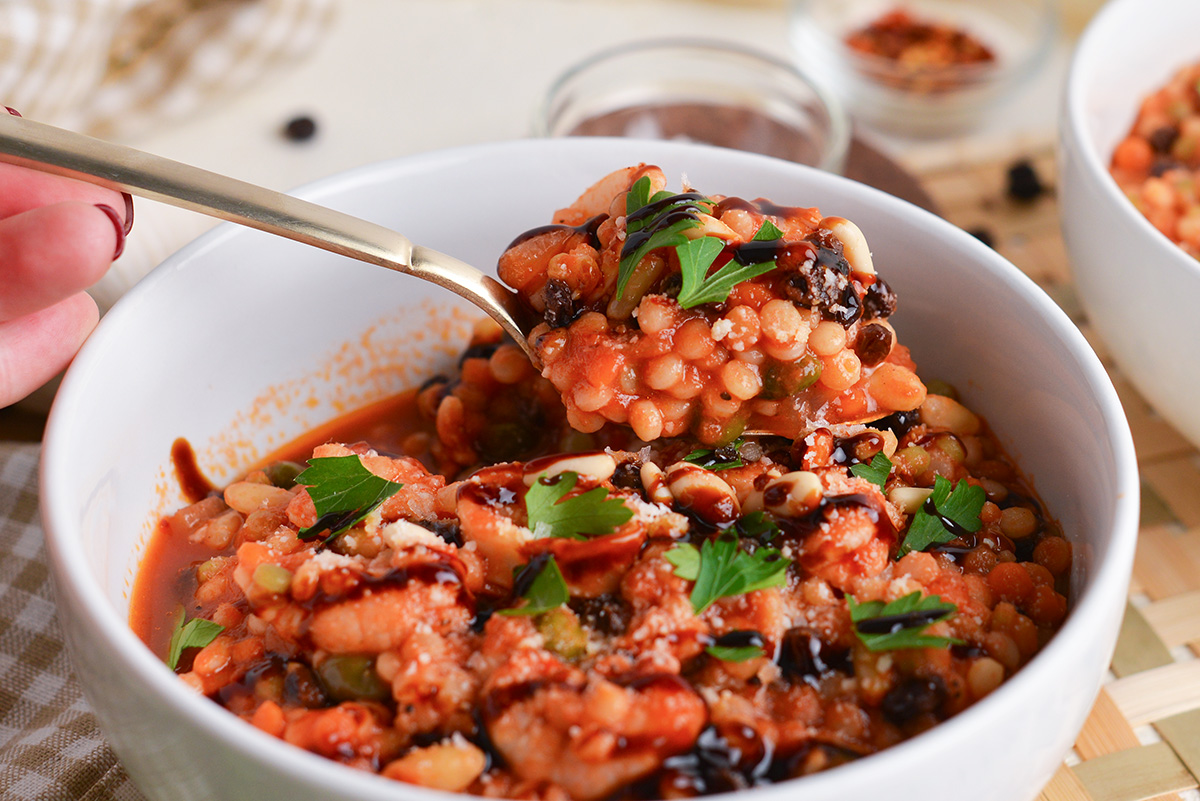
point(12, 111)
point(128, 212)
point(116, 220)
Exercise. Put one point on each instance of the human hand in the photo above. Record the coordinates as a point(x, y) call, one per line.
point(57, 237)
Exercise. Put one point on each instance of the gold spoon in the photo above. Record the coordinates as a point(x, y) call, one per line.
point(50, 149)
point(44, 147)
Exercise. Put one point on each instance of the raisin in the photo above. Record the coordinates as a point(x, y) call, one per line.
point(628, 476)
point(912, 697)
point(1164, 164)
point(848, 309)
point(607, 614)
point(560, 305)
point(805, 656)
point(873, 344)
point(880, 300)
point(480, 350)
point(1163, 137)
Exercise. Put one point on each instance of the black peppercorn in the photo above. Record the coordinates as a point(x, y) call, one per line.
point(1023, 181)
point(300, 129)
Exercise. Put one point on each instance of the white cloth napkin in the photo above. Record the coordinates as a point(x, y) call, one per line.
point(113, 68)
point(120, 69)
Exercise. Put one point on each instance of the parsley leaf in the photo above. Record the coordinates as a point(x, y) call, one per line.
point(767, 232)
point(960, 506)
point(876, 472)
point(757, 525)
point(665, 228)
point(343, 491)
point(737, 646)
point(734, 653)
point(592, 512)
point(900, 623)
point(695, 257)
point(711, 459)
point(548, 589)
point(196, 633)
point(721, 569)
point(639, 195)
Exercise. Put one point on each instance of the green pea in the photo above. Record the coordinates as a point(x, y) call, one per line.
point(283, 474)
point(950, 445)
point(936, 387)
point(503, 442)
point(352, 678)
point(914, 459)
point(273, 578)
point(563, 633)
point(732, 429)
point(786, 379)
point(207, 569)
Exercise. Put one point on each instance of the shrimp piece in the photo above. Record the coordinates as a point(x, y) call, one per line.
point(354, 733)
point(381, 620)
point(489, 522)
point(526, 265)
point(602, 196)
point(663, 619)
point(451, 766)
point(595, 738)
point(847, 545)
point(416, 500)
point(432, 688)
point(223, 662)
point(593, 567)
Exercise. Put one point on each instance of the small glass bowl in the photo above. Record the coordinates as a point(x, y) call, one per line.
point(699, 91)
point(914, 101)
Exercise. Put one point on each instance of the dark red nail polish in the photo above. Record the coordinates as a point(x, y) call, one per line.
point(12, 111)
point(128, 212)
point(116, 220)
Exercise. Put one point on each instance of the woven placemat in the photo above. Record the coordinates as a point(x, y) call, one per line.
point(1142, 739)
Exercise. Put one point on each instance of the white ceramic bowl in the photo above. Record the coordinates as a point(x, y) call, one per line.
point(1138, 287)
point(241, 341)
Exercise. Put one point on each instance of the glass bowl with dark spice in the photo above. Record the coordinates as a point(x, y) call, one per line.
point(922, 67)
point(699, 90)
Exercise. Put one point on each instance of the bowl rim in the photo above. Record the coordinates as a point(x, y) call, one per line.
point(1076, 130)
point(840, 129)
point(73, 579)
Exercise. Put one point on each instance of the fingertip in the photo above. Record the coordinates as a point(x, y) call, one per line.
point(36, 347)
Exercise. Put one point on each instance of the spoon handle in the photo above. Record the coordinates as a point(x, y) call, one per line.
point(44, 147)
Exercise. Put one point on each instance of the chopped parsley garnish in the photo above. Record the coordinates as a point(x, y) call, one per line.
point(734, 654)
point(665, 228)
point(196, 633)
point(591, 513)
point(545, 591)
point(343, 491)
point(722, 570)
point(876, 472)
point(736, 646)
point(718, 459)
point(757, 525)
point(767, 232)
point(900, 623)
point(696, 257)
point(960, 508)
point(672, 215)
